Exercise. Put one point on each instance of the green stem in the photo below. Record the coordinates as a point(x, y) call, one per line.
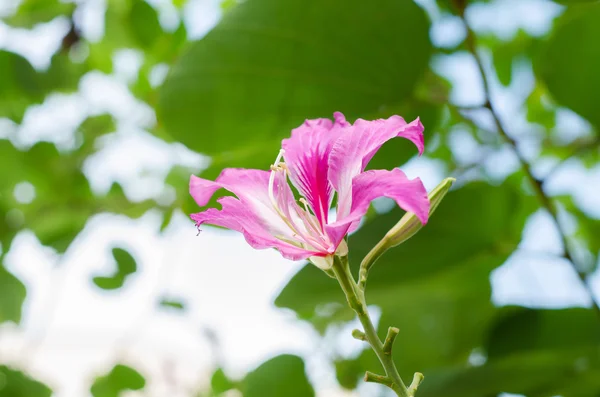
point(356, 300)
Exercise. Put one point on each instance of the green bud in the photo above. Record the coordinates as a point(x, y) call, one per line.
point(406, 227)
point(409, 224)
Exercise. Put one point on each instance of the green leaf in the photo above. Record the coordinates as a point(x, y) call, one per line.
point(12, 295)
point(33, 12)
point(93, 128)
point(220, 383)
point(59, 217)
point(143, 20)
point(125, 262)
point(531, 352)
point(538, 110)
point(14, 383)
point(436, 286)
point(269, 65)
point(126, 266)
point(347, 372)
point(173, 304)
point(280, 376)
point(574, 84)
point(109, 283)
point(505, 54)
point(118, 380)
point(20, 86)
point(575, 2)
point(63, 74)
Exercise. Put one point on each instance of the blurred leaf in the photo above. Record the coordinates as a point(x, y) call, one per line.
point(32, 12)
point(226, 5)
point(126, 266)
point(585, 244)
point(347, 373)
point(14, 383)
point(273, 64)
point(532, 352)
point(125, 262)
point(574, 84)
point(63, 74)
point(278, 377)
point(143, 20)
point(57, 227)
point(19, 87)
point(59, 217)
point(220, 383)
point(63, 199)
point(575, 2)
point(22, 86)
point(505, 53)
point(134, 24)
point(12, 295)
point(92, 128)
point(520, 330)
point(173, 304)
point(109, 283)
point(118, 380)
point(539, 110)
point(435, 288)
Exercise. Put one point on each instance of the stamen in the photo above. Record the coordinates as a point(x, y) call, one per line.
point(304, 203)
point(309, 217)
point(274, 168)
point(279, 166)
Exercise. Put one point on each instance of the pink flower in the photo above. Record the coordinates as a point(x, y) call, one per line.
point(321, 158)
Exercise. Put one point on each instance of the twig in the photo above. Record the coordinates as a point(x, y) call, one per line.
point(542, 197)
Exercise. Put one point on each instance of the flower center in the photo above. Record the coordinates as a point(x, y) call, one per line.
point(312, 232)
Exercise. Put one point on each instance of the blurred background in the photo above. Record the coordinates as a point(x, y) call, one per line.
point(108, 106)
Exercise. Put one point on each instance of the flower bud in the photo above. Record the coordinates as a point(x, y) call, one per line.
point(409, 224)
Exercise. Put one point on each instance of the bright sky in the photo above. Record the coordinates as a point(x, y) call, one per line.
point(72, 331)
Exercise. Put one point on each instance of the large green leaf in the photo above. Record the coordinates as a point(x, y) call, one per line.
point(14, 383)
point(570, 61)
point(281, 376)
point(435, 287)
point(534, 352)
point(270, 64)
point(118, 380)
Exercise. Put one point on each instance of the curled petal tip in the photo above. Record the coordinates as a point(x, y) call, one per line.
point(340, 118)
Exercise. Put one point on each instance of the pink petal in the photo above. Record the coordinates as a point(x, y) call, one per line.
point(306, 156)
point(238, 216)
point(244, 183)
point(352, 151)
point(250, 186)
point(409, 194)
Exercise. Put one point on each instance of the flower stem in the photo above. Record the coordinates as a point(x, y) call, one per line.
point(356, 299)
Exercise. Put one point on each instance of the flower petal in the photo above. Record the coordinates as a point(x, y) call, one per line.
point(238, 216)
point(306, 156)
point(409, 194)
point(352, 152)
point(250, 186)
